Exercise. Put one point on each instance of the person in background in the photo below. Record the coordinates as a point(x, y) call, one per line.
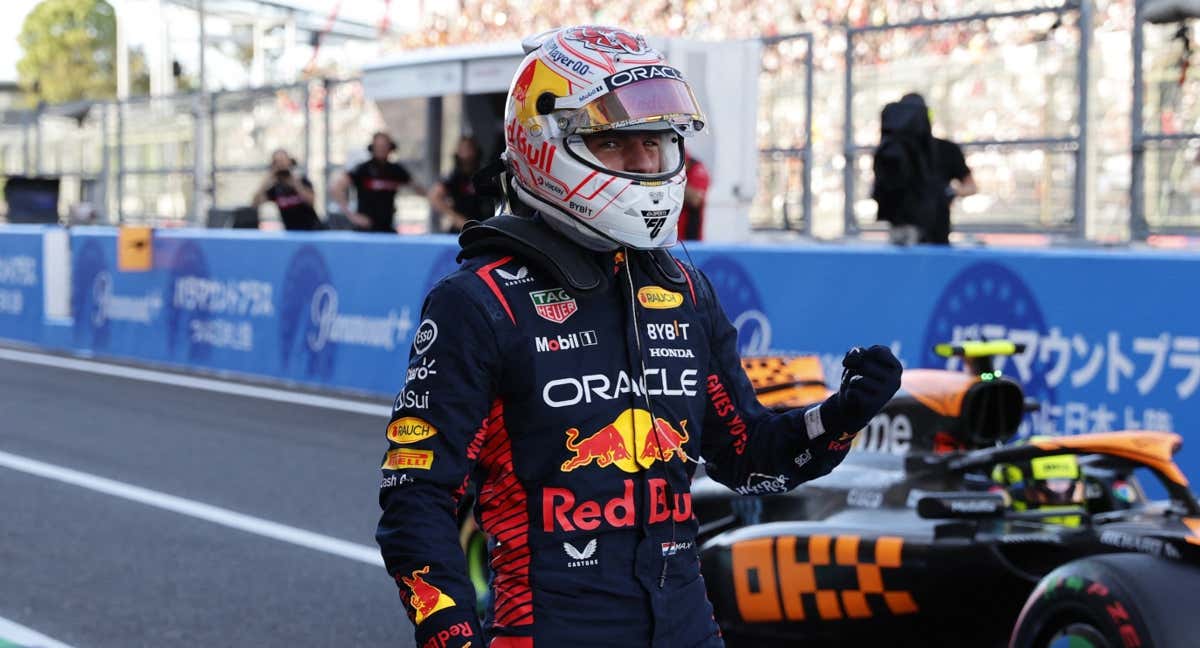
point(291, 192)
point(917, 175)
point(691, 217)
point(375, 182)
point(455, 196)
point(1044, 484)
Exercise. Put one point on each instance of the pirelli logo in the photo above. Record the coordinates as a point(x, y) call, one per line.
point(401, 458)
point(820, 577)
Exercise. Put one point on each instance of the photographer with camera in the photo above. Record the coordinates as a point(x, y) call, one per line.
point(291, 192)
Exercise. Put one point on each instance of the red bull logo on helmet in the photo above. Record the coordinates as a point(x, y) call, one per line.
point(608, 40)
point(632, 442)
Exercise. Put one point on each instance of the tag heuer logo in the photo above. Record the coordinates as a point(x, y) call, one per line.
point(555, 305)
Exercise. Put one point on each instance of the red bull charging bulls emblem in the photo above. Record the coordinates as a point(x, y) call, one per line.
point(634, 441)
point(426, 599)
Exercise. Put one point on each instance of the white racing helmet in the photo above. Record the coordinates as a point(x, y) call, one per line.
point(577, 81)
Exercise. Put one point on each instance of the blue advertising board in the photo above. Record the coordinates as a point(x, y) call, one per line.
point(1112, 338)
point(21, 312)
point(335, 310)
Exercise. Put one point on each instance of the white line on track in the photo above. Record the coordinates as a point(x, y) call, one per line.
point(196, 382)
point(26, 637)
point(192, 508)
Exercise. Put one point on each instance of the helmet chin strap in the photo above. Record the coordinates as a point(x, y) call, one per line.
point(592, 241)
point(574, 232)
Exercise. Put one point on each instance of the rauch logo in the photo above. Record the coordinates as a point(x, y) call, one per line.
point(410, 429)
point(659, 298)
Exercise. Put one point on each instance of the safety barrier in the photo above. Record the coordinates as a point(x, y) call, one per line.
point(1112, 336)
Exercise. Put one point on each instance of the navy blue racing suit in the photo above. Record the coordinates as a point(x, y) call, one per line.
point(580, 420)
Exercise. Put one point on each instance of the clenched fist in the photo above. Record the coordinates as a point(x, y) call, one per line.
point(869, 379)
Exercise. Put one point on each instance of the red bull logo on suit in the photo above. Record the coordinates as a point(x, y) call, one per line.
point(632, 442)
point(564, 510)
point(426, 599)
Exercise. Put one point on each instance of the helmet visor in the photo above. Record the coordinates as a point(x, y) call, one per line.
point(1056, 492)
point(645, 102)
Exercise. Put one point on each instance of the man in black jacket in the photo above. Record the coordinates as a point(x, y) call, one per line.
point(375, 183)
point(578, 375)
point(917, 175)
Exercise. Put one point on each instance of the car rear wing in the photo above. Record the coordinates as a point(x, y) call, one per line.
point(978, 355)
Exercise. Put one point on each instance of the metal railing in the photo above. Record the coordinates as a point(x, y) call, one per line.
point(1173, 212)
point(1076, 144)
point(784, 200)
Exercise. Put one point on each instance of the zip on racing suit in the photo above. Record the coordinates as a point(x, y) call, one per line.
point(580, 417)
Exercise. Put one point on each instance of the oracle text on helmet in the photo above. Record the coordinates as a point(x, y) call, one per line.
point(633, 75)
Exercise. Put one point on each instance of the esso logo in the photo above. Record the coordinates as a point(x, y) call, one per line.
point(425, 336)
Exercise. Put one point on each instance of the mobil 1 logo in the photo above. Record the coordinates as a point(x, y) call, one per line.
point(568, 342)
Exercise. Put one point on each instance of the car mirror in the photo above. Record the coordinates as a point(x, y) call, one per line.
point(957, 505)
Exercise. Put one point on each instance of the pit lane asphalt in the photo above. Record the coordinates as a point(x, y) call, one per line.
point(93, 570)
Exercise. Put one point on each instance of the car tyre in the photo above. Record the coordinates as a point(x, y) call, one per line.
point(1111, 601)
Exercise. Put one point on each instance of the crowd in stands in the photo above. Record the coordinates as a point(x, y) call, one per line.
point(966, 66)
point(457, 22)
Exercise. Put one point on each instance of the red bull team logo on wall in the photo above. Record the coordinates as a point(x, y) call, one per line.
point(426, 599)
point(635, 440)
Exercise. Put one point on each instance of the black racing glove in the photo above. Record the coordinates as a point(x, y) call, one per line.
point(869, 379)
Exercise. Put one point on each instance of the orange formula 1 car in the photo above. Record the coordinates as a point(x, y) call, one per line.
point(938, 531)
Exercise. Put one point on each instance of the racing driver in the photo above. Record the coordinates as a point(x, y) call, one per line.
point(577, 375)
